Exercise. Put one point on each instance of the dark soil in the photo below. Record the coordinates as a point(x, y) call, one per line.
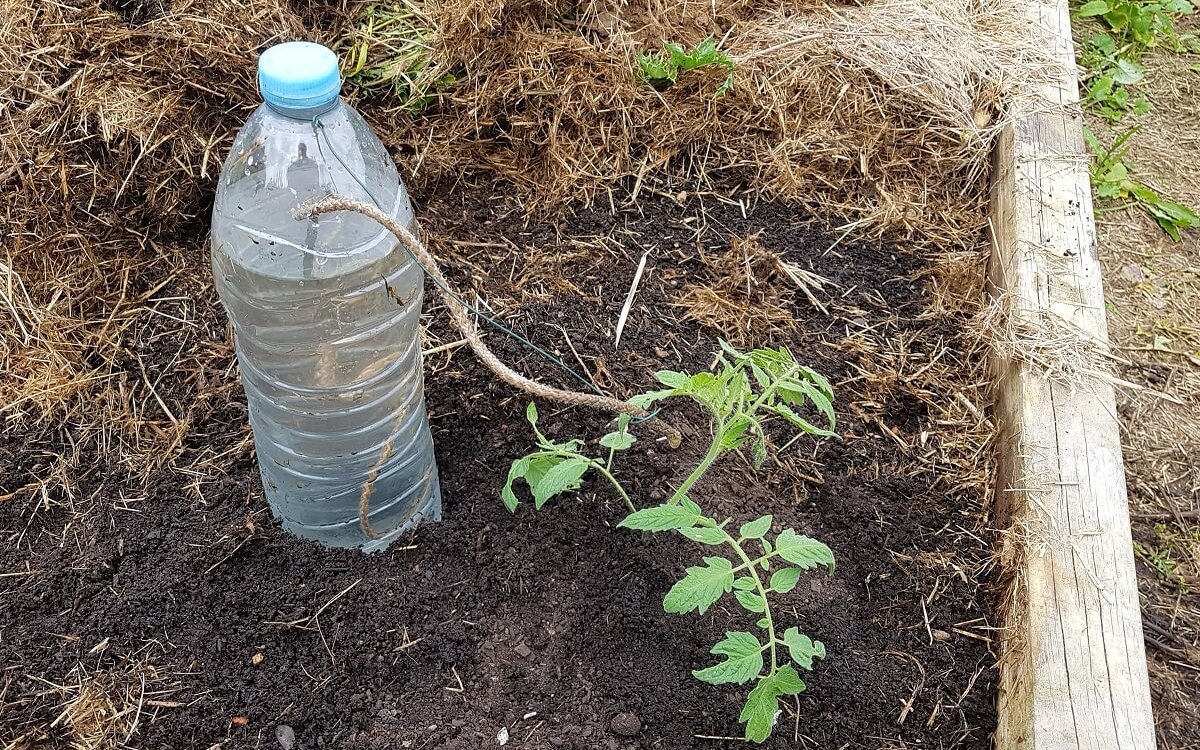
point(167, 583)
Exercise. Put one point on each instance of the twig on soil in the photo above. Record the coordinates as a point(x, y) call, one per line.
point(444, 347)
point(303, 622)
point(138, 713)
point(633, 288)
point(458, 679)
point(571, 345)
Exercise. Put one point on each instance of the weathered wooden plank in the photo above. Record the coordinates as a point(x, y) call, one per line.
point(1073, 664)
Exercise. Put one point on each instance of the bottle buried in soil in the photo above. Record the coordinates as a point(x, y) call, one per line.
point(325, 313)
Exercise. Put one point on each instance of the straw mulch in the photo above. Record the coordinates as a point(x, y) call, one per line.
point(116, 115)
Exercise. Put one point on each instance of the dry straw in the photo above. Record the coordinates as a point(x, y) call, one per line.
point(113, 124)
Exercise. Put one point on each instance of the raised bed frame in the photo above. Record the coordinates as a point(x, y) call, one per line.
point(1073, 662)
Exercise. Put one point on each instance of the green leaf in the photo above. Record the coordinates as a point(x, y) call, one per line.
point(1092, 8)
point(660, 518)
point(677, 380)
point(644, 400)
point(787, 681)
point(745, 583)
point(763, 623)
point(802, 649)
point(751, 601)
point(762, 704)
point(531, 413)
point(756, 529)
point(704, 535)
point(533, 470)
point(1128, 72)
point(562, 477)
point(734, 434)
point(785, 579)
point(744, 662)
point(701, 587)
point(803, 551)
point(618, 441)
point(515, 472)
point(686, 502)
point(759, 712)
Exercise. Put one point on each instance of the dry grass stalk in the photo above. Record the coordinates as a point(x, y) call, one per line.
point(102, 708)
point(745, 294)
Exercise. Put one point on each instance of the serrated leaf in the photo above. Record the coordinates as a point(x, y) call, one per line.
point(644, 400)
point(661, 518)
point(762, 704)
point(784, 580)
point(759, 713)
point(801, 648)
point(803, 551)
point(677, 380)
point(751, 601)
point(756, 529)
point(686, 502)
point(745, 583)
point(561, 477)
point(734, 434)
point(744, 660)
point(618, 441)
point(787, 680)
point(530, 468)
point(704, 535)
point(701, 587)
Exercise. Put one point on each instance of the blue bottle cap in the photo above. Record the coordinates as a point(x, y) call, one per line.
point(299, 77)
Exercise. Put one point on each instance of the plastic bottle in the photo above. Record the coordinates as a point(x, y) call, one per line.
point(325, 313)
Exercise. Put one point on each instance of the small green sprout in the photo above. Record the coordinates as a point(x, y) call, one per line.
point(662, 69)
point(748, 389)
point(1112, 177)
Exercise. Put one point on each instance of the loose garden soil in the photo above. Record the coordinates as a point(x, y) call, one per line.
point(162, 583)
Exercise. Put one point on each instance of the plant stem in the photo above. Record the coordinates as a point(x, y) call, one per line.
point(714, 450)
point(616, 485)
point(762, 591)
point(710, 457)
point(770, 390)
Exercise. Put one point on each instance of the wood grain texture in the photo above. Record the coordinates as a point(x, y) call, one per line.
point(1073, 663)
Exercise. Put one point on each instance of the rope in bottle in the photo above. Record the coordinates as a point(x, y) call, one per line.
point(462, 320)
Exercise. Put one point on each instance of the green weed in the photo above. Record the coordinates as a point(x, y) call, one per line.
point(662, 69)
point(1113, 179)
point(748, 389)
point(389, 53)
point(1112, 59)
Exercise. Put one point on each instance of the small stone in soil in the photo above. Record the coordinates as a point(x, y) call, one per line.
point(522, 651)
point(626, 724)
point(286, 736)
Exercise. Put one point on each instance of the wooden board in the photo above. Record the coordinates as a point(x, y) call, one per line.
point(1073, 663)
